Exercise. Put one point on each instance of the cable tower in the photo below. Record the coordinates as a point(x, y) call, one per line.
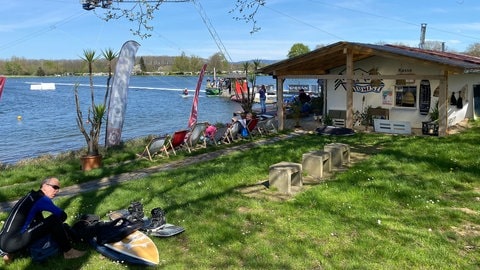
point(422, 36)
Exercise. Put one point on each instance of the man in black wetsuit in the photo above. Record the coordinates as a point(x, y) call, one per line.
point(26, 223)
point(303, 97)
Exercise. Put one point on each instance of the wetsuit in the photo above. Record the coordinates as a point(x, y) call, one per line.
point(26, 223)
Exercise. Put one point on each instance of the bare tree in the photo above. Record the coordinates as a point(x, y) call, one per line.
point(143, 11)
point(473, 49)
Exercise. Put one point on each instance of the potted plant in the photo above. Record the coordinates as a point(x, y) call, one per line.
point(327, 120)
point(431, 127)
point(96, 112)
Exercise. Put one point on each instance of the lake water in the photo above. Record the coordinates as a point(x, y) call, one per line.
point(33, 123)
point(47, 123)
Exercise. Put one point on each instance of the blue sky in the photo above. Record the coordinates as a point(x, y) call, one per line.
point(61, 29)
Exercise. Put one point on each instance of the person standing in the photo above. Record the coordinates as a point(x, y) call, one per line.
point(263, 98)
point(26, 223)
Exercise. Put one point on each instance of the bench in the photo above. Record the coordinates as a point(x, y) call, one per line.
point(315, 162)
point(284, 175)
point(390, 126)
point(340, 153)
point(338, 117)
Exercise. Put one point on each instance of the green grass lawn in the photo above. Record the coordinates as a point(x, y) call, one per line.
point(412, 204)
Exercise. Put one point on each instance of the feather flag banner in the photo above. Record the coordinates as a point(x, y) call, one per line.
point(118, 96)
point(194, 113)
point(2, 84)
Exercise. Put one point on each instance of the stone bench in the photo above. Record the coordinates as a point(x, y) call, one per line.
point(340, 153)
point(316, 162)
point(284, 175)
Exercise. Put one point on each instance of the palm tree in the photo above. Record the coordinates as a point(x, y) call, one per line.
point(109, 55)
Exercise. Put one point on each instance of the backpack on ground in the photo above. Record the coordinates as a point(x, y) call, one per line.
point(43, 248)
point(90, 227)
point(85, 228)
point(116, 230)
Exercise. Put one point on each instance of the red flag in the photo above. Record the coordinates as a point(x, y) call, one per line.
point(194, 114)
point(2, 84)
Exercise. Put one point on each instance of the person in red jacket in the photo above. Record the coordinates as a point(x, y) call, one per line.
point(26, 223)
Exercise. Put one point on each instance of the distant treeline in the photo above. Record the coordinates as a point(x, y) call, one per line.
point(163, 65)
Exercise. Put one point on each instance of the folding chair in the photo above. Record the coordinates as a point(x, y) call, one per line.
point(195, 136)
point(252, 125)
point(154, 147)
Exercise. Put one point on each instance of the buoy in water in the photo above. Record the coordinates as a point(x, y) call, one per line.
point(19, 117)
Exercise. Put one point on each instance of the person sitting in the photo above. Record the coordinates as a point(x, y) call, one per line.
point(185, 92)
point(210, 132)
point(26, 223)
point(248, 118)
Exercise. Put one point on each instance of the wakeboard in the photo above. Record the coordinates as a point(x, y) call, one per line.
point(425, 97)
point(165, 230)
point(136, 248)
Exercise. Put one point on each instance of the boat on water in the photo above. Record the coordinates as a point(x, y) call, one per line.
point(42, 86)
point(215, 87)
point(213, 91)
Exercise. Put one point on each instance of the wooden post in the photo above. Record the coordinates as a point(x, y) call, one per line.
point(280, 114)
point(443, 106)
point(349, 104)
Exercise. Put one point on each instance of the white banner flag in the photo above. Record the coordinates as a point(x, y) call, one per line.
point(118, 96)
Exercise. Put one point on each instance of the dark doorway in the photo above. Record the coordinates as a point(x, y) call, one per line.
point(476, 101)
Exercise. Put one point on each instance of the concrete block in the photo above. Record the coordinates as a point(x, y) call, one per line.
point(340, 153)
point(284, 175)
point(315, 163)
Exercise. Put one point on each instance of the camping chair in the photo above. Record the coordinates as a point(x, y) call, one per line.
point(261, 128)
point(271, 125)
point(196, 135)
point(252, 125)
point(177, 141)
point(232, 132)
point(220, 135)
point(154, 147)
